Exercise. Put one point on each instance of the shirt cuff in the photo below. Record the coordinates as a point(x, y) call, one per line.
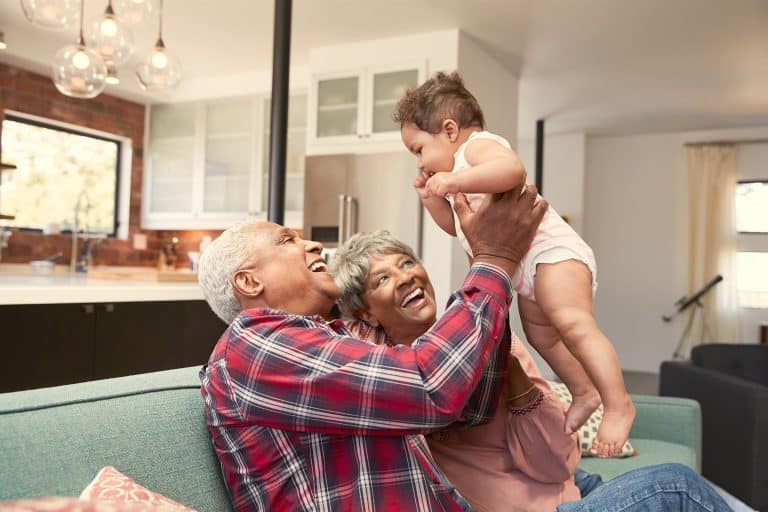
point(491, 278)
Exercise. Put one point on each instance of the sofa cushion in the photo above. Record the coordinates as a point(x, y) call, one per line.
point(151, 426)
point(748, 362)
point(587, 433)
point(649, 451)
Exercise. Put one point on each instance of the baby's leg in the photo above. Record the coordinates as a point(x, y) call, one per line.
point(546, 340)
point(564, 292)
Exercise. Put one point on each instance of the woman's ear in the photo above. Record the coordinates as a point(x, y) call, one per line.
point(247, 284)
point(367, 316)
point(451, 129)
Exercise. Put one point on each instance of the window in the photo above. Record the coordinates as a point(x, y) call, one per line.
point(752, 225)
point(58, 166)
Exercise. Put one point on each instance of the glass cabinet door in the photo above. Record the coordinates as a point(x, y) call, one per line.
point(171, 158)
point(388, 88)
point(337, 107)
point(294, 155)
point(228, 155)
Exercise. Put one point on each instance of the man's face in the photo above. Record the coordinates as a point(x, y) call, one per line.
point(434, 153)
point(291, 270)
point(400, 296)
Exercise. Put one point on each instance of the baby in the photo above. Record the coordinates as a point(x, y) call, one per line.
point(442, 125)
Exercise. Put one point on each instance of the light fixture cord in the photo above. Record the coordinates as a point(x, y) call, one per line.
point(160, 32)
point(82, 8)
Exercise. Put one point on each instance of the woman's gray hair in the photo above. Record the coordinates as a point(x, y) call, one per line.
point(349, 265)
point(219, 262)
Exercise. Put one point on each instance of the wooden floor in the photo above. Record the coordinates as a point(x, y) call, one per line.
point(643, 383)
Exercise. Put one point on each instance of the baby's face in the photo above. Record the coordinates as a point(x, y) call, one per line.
point(434, 153)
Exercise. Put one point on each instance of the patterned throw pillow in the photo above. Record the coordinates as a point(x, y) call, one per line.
point(588, 431)
point(61, 504)
point(111, 485)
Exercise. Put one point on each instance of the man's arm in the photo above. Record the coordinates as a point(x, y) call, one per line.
point(296, 373)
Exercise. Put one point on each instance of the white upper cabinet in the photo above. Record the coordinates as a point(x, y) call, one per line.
point(207, 163)
point(351, 111)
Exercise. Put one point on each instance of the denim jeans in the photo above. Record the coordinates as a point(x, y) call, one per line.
point(672, 487)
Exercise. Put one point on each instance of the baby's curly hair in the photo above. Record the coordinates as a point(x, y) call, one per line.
point(441, 97)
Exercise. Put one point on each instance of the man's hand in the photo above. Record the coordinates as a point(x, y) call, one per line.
point(500, 231)
point(442, 184)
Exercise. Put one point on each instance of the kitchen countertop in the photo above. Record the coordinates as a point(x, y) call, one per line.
point(20, 284)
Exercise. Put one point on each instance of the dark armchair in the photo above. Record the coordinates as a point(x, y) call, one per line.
point(730, 382)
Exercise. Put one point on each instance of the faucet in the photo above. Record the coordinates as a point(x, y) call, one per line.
point(5, 234)
point(74, 265)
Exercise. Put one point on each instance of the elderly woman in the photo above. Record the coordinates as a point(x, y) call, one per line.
point(521, 459)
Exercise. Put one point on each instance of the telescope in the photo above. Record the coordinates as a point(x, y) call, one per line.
point(684, 302)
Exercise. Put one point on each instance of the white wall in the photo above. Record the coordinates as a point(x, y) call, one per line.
point(635, 219)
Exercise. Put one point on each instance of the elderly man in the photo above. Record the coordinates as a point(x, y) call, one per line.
point(306, 417)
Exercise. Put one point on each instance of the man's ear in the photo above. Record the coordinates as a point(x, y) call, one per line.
point(247, 284)
point(451, 129)
point(367, 316)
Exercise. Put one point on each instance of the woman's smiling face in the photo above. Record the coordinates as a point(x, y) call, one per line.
point(400, 297)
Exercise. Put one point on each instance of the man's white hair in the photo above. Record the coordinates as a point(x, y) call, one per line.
point(219, 262)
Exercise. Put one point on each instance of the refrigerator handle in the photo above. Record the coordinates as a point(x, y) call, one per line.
point(350, 217)
point(342, 219)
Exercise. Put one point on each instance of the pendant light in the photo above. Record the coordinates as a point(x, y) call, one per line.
point(52, 14)
point(161, 70)
point(133, 12)
point(110, 37)
point(78, 71)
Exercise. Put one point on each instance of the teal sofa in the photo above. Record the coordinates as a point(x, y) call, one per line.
point(151, 427)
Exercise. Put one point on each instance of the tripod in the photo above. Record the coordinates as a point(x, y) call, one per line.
point(684, 303)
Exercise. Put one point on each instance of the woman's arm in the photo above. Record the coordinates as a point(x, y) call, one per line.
point(296, 373)
point(536, 437)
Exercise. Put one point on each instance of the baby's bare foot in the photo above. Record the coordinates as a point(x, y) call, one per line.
point(582, 406)
point(614, 429)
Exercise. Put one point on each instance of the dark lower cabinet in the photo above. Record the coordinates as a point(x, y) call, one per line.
point(54, 344)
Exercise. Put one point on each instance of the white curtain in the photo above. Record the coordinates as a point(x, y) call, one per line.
point(712, 244)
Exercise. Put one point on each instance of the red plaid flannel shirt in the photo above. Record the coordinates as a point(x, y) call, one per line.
point(305, 417)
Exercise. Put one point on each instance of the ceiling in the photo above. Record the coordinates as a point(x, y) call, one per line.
point(595, 66)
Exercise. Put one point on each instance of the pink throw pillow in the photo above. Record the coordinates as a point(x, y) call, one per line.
point(111, 485)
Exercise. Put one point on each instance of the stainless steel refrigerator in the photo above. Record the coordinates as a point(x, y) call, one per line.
point(346, 194)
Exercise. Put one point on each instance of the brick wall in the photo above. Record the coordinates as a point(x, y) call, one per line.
point(35, 94)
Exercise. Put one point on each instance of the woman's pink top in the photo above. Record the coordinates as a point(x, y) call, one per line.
point(522, 460)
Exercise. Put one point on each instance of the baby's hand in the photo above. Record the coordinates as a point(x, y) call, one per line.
point(441, 184)
point(420, 185)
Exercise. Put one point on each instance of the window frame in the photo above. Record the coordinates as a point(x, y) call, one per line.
point(751, 241)
point(123, 162)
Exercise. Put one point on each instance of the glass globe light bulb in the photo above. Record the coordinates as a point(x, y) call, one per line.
point(51, 14)
point(81, 60)
point(79, 72)
point(159, 59)
point(160, 71)
point(112, 38)
point(108, 27)
point(132, 11)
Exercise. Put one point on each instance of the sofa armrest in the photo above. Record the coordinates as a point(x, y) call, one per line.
point(663, 418)
point(734, 419)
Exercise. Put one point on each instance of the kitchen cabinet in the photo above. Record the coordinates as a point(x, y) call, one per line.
point(54, 344)
point(351, 111)
point(207, 162)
